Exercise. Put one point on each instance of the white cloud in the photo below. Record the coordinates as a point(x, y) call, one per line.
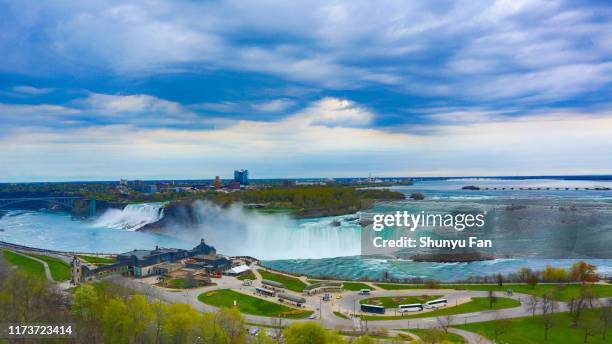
point(335, 112)
point(276, 105)
point(454, 49)
point(30, 90)
point(138, 103)
point(319, 140)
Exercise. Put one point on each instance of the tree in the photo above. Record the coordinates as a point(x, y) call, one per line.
point(552, 274)
point(116, 322)
point(532, 304)
point(305, 333)
point(500, 279)
point(604, 317)
point(588, 323)
point(262, 338)
point(492, 298)
point(524, 274)
point(577, 305)
point(445, 322)
point(141, 313)
point(548, 308)
point(500, 326)
point(583, 272)
point(432, 284)
point(532, 280)
point(85, 307)
point(231, 322)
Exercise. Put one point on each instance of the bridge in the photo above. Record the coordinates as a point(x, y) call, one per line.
point(67, 202)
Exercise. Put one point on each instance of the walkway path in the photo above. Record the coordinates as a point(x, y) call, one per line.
point(470, 337)
point(45, 265)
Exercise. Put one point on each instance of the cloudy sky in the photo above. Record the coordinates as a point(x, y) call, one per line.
point(192, 89)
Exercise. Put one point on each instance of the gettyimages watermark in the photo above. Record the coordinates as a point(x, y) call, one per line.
point(534, 229)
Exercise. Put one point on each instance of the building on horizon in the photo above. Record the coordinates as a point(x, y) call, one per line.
point(241, 176)
point(217, 182)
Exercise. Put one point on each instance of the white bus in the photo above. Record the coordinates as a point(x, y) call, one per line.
point(413, 307)
point(365, 291)
point(436, 303)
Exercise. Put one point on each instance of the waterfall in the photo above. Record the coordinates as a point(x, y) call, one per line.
point(236, 231)
point(132, 217)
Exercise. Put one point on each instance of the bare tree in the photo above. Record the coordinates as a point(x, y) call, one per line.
point(604, 318)
point(548, 308)
point(500, 326)
point(500, 279)
point(588, 323)
point(445, 322)
point(492, 298)
point(532, 304)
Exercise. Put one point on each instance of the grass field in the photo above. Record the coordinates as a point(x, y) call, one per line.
point(250, 305)
point(530, 330)
point(97, 260)
point(178, 283)
point(60, 270)
point(350, 286)
point(290, 283)
point(395, 301)
point(566, 291)
point(341, 315)
point(476, 305)
point(439, 335)
point(250, 276)
point(25, 264)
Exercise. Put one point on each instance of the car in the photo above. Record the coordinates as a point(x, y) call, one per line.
point(313, 316)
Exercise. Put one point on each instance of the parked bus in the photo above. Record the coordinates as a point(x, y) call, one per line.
point(436, 303)
point(413, 307)
point(372, 309)
point(264, 292)
point(364, 292)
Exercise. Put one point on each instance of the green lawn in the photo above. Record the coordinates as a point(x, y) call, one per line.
point(350, 286)
point(441, 336)
point(355, 286)
point(290, 283)
point(97, 260)
point(250, 305)
point(250, 276)
point(476, 305)
point(25, 264)
point(341, 315)
point(178, 283)
point(395, 301)
point(566, 291)
point(60, 270)
point(529, 330)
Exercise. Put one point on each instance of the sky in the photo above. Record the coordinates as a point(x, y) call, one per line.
point(193, 89)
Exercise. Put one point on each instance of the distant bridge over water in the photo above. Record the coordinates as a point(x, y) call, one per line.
point(67, 201)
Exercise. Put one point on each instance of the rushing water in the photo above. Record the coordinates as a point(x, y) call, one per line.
point(566, 224)
point(132, 217)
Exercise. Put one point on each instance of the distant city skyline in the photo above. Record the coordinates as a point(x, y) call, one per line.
point(190, 90)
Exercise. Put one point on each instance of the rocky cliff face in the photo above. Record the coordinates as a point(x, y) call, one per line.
point(175, 214)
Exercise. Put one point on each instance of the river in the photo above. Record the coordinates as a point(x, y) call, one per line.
point(565, 224)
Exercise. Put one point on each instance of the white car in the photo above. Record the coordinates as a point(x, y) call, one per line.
point(313, 316)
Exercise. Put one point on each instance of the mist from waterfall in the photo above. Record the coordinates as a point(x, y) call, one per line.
point(132, 217)
point(236, 231)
